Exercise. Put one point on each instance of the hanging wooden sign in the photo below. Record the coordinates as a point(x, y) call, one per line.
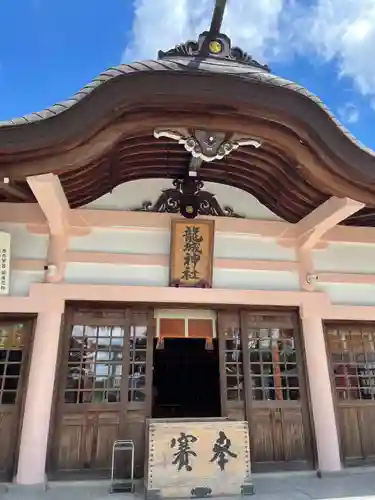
point(192, 244)
point(4, 263)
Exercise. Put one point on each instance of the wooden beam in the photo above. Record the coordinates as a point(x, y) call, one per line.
point(308, 231)
point(50, 195)
point(81, 221)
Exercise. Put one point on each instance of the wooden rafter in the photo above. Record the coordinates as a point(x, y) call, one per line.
point(15, 191)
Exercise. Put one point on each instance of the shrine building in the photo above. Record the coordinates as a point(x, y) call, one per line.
point(185, 238)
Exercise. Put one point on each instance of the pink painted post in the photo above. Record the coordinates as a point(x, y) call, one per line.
point(323, 410)
point(36, 420)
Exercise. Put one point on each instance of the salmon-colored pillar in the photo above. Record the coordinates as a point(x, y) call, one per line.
point(37, 413)
point(323, 410)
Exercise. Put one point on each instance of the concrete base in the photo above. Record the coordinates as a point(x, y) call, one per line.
point(152, 494)
point(32, 488)
point(3, 488)
point(247, 489)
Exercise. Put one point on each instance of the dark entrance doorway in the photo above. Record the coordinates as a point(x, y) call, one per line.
point(186, 379)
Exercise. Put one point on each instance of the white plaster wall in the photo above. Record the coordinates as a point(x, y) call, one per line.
point(20, 281)
point(24, 245)
point(132, 194)
point(349, 294)
point(239, 246)
point(346, 258)
point(349, 259)
point(100, 274)
point(109, 274)
point(157, 242)
point(239, 279)
point(123, 241)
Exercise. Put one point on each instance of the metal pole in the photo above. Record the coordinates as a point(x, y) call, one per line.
point(217, 17)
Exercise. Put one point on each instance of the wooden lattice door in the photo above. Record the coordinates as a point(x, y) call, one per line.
point(351, 349)
point(276, 402)
point(15, 339)
point(105, 390)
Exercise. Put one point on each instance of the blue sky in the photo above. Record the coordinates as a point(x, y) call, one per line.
point(51, 48)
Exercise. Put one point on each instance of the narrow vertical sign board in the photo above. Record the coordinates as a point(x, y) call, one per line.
point(4, 263)
point(192, 244)
point(198, 458)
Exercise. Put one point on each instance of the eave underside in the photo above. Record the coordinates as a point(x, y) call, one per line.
point(106, 139)
point(265, 173)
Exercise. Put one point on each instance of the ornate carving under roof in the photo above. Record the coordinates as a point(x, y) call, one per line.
point(219, 47)
point(169, 201)
point(207, 145)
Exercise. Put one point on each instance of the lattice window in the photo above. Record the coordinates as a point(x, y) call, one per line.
point(94, 364)
point(233, 361)
point(137, 363)
point(11, 355)
point(273, 364)
point(352, 352)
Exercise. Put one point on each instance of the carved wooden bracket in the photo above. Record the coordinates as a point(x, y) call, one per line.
point(206, 145)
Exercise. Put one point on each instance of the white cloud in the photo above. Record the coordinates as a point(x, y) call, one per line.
point(344, 30)
point(335, 30)
point(163, 24)
point(348, 113)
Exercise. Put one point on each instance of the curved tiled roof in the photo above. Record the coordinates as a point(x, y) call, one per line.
point(230, 69)
point(102, 136)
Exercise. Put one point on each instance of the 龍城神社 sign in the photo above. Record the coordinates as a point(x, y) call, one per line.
point(192, 244)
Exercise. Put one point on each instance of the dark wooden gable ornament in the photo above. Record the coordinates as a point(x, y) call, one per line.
point(169, 200)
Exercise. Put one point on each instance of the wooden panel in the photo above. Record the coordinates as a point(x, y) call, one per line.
point(351, 350)
point(15, 338)
point(357, 433)
point(171, 328)
point(107, 431)
point(278, 435)
point(7, 441)
point(192, 245)
point(207, 453)
point(135, 430)
point(85, 441)
point(200, 328)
